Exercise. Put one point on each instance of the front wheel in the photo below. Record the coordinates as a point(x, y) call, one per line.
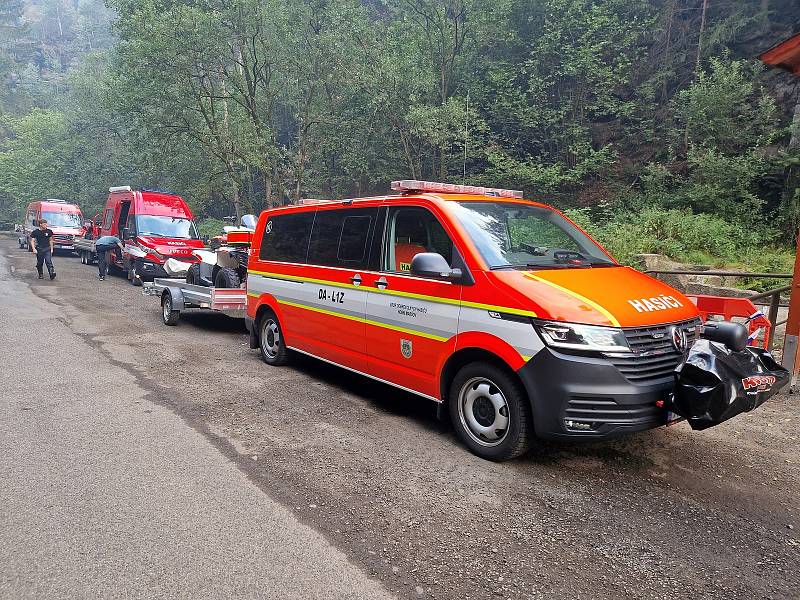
point(490, 412)
point(270, 341)
point(133, 274)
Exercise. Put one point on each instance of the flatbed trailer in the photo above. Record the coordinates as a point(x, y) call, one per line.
point(179, 296)
point(86, 250)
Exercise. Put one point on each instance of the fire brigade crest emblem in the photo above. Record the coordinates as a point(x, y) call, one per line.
point(406, 349)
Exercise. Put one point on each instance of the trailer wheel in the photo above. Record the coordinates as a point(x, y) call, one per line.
point(168, 315)
point(227, 278)
point(270, 341)
point(490, 412)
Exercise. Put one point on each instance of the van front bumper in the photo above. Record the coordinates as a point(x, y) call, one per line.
point(587, 397)
point(149, 270)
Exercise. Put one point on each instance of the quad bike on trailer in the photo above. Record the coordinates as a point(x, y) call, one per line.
point(225, 266)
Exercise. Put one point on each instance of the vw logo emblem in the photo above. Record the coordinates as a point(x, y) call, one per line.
point(678, 339)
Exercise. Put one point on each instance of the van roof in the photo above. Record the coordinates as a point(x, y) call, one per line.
point(314, 204)
point(57, 205)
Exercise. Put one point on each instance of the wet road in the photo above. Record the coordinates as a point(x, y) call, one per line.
point(668, 513)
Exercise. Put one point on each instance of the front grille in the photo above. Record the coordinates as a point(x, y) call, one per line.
point(597, 410)
point(655, 356)
point(63, 238)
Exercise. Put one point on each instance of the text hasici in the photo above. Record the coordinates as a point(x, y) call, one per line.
point(657, 303)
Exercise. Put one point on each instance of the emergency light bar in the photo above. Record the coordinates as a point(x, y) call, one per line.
point(307, 201)
point(412, 185)
point(120, 188)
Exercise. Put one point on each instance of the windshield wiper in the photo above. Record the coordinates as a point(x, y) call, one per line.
point(540, 266)
point(164, 235)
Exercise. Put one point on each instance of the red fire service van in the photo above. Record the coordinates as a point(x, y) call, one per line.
point(64, 218)
point(153, 226)
point(501, 309)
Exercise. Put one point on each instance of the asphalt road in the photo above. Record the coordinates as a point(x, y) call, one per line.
point(668, 513)
point(104, 493)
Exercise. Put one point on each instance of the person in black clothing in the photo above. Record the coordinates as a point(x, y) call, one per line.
point(103, 247)
point(42, 243)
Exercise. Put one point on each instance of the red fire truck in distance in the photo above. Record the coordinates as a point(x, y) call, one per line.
point(64, 218)
point(500, 309)
point(154, 226)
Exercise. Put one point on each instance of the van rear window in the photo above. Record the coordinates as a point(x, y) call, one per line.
point(286, 237)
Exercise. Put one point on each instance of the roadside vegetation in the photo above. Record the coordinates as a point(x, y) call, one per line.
point(648, 121)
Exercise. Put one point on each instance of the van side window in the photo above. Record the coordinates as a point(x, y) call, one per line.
point(108, 218)
point(409, 231)
point(339, 237)
point(286, 237)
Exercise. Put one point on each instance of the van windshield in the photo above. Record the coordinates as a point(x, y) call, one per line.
point(510, 235)
point(62, 219)
point(169, 227)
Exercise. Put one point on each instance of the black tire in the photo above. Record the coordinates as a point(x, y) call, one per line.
point(193, 275)
point(483, 395)
point(168, 315)
point(133, 273)
point(227, 278)
point(270, 340)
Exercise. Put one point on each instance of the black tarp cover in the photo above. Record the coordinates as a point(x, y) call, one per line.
point(714, 383)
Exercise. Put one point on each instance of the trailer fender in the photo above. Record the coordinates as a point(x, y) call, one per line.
point(176, 295)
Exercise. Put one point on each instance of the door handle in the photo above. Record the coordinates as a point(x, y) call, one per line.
point(381, 283)
point(356, 279)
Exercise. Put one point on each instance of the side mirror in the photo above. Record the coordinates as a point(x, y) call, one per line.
point(432, 264)
point(35, 222)
point(126, 234)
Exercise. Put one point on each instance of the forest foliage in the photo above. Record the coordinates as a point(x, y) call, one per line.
point(648, 120)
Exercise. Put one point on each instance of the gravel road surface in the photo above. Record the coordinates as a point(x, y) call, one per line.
point(668, 513)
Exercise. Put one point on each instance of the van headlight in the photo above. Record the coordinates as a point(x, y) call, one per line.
point(582, 337)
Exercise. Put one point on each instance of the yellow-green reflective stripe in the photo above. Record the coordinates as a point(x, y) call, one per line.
point(322, 310)
point(612, 319)
point(253, 295)
point(363, 320)
point(503, 309)
point(467, 304)
point(304, 279)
